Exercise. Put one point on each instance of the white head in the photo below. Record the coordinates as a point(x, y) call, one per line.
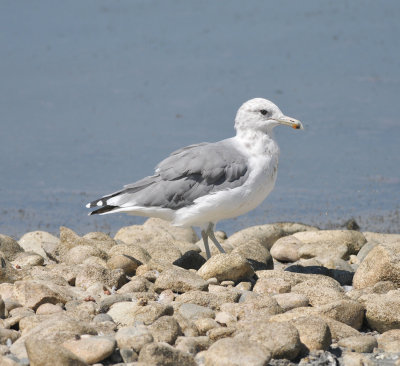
point(262, 115)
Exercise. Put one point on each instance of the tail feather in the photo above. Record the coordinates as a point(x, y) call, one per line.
point(103, 210)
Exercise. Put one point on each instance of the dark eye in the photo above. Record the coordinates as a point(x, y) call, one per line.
point(263, 112)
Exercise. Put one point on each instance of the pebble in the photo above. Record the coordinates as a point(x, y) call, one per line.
point(150, 297)
point(91, 349)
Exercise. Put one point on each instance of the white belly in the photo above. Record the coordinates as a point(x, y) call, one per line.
point(232, 202)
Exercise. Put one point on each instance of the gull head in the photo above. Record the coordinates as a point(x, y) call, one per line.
point(262, 115)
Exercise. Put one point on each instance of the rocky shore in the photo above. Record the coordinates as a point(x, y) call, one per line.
point(284, 294)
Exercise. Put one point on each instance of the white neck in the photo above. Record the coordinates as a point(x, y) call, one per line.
point(257, 142)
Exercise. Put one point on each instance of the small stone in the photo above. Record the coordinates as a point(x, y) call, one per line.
point(133, 337)
point(100, 318)
point(205, 324)
point(383, 311)
point(227, 283)
point(271, 286)
point(127, 313)
point(166, 297)
point(282, 339)
point(357, 359)
point(236, 352)
point(178, 233)
point(286, 249)
point(223, 317)
point(244, 286)
point(28, 259)
point(91, 349)
point(128, 355)
point(212, 281)
point(9, 247)
point(179, 280)
point(381, 264)
point(193, 311)
point(226, 267)
point(165, 329)
point(210, 300)
point(42, 353)
point(47, 308)
point(221, 332)
point(32, 294)
point(163, 354)
point(6, 334)
point(127, 263)
point(266, 235)
point(192, 345)
point(255, 253)
point(136, 284)
point(291, 300)
point(390, 341)
point(132, 251)
point(314, 333)
point(89, 275)
point(362, 343)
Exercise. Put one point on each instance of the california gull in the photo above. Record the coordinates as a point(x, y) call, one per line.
point(201, 184)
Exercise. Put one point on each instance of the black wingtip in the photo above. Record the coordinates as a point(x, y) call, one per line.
point(103, 210)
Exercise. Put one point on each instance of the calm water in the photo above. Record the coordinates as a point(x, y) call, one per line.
point(93, 94)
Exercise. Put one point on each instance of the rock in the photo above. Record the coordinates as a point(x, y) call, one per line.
point(127, 313)
point(134, 337)
point(6, 334)
point(88, 275)
point(179, 280)
point(338, 330)
point(286, 249)
point(53, 330)
point(390, 341)
point(226, 267)
point(361, 343)
point(2, 308)
point(32, 294)
point(365, 250)
point(282, 339)
point(381, 238)
point(383, 311)
point(101, 240)
point(8, 361)
point(258, 256)
point(320, 290)
point(192, 345)
point(136, 284)
point(221, 332)
point(271, 286)
point(8, 273)
point(126, 263)
point(328, 249)
point(236, 351)
point(205, 324)
point(48, 308)
point(91, 349)
point(28, 259)
point(178, 233)
point(165, 329)
point(163, 354)
point(357, 359)
point(244, 286)
point(314, 333)
point(190, 260)
point(210, 300)
point(9, 247)
point(193, 311)
point(128, 355)
point(291, 300)
point(381, 264)
point(266, 235)
point(49, 354)
point(79, 253)
point(327, 241)
point(135, 251)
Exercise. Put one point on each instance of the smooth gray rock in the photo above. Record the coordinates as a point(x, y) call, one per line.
point(162, 354)
point(165, 329)
point(134, 337)
point(179, 280)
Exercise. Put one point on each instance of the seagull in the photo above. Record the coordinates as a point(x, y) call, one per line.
point(200, 184)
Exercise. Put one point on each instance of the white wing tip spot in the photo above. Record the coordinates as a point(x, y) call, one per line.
point(100, 203)
point(88, 205)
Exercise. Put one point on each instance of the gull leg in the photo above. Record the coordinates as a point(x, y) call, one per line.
point(210, 232)
point(205, 241)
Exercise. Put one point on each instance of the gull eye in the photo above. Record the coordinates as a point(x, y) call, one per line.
point(263, 112)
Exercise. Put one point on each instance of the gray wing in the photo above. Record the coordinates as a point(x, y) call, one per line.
point(187, 174)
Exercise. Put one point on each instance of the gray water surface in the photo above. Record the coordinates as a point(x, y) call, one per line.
point(93, 94)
